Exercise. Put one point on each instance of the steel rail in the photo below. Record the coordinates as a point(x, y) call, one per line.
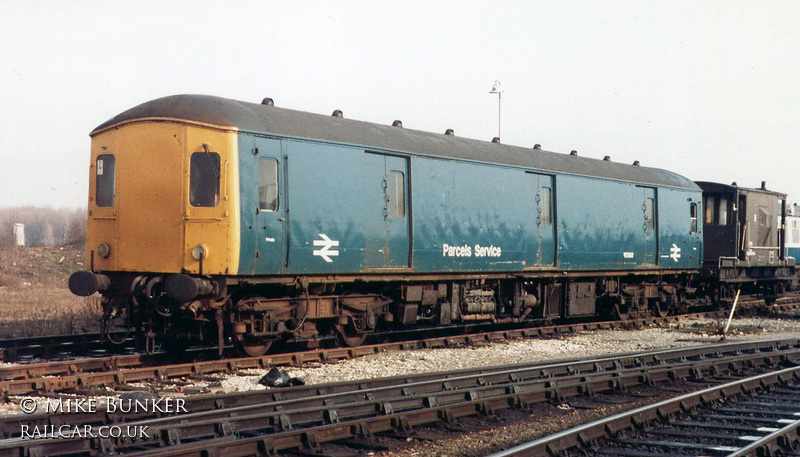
point(556, 373)
point(115, 370)
point(637, 419)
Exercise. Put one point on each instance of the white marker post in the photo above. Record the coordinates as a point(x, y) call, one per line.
point(733, 308)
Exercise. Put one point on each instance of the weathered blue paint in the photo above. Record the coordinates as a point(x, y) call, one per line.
point(599, 224)
point(334, 216)
point(463, 210)
point(263, 233)
point(679, 246)
point(331, 194)
point(538, 199)
point(650, 225)
point(387, 229)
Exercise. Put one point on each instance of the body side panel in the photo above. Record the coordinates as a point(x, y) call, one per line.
point(470, 217)
point(600, 224)
point(679, 246)
point(216, 228)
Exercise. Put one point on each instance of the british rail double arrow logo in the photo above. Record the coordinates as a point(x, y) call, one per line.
point(326, 252)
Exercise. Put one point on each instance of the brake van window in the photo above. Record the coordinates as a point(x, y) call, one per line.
point(105, 184)
point(204, 179)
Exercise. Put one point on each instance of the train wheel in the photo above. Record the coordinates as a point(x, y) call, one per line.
point(659, 309)
point(254, 347)
point(621, 312)
point(348, 336)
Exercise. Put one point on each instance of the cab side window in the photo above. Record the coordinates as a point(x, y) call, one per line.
point(396, 191)
point(268, 185)
point(204, 179)
point(545, 206)
point(650, 214)
point(105, 183)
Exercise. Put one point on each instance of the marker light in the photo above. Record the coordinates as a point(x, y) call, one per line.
point(104, 250)
point(199, 252)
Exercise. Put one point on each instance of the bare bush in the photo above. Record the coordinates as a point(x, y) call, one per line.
point(44, 226)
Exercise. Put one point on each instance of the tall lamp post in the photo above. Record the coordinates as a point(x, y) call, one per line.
point(497, 89)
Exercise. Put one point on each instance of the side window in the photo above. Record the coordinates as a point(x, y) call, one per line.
point(693, 217)
point(649, 214)
point(204, 179)
point(105, 184)
point(396, 191)
point(723, 211)
point(545, 206)
point(711, 203)
point(762, 217)
point(268, 184)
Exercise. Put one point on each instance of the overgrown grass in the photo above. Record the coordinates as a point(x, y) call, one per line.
point(34, 297)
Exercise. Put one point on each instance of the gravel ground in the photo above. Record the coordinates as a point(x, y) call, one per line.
point(480, 436)
point(685, 333)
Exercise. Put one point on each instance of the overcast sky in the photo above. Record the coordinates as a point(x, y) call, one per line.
point(708, 89)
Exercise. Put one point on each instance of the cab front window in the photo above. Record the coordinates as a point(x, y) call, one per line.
point(105, 183)
point(204, 179)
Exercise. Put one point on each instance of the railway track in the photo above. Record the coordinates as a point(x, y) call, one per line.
point(307, 417)
point(63, 347)
point(756, 416)
point(83, 374)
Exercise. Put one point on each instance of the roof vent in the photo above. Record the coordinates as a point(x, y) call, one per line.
point(636, 163)
point(397, 123)
point(607, 158)
point(496, 139)
point(449, 132)
point(337, 113)
point(573, 153)
point(537, 146)
point(763, 185)
point(268, 101)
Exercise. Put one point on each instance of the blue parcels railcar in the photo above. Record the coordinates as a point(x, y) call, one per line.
point(213, 219)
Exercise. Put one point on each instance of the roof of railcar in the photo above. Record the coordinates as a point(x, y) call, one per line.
point(709, 186)
point(266, 119)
